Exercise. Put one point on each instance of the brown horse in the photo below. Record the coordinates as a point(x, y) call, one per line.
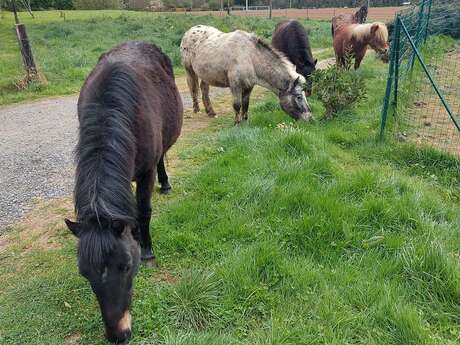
point(355, 39)
point(130, 114)
point(359, 17)
point(291, 39)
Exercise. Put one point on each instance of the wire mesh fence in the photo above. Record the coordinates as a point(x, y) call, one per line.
point(424, 80)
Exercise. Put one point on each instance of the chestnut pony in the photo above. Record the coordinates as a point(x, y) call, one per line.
point(130, 113)
point(354, 39)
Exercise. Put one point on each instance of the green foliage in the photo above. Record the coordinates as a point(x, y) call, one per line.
point(339, 89)
point(40, 4)
point(97, 4)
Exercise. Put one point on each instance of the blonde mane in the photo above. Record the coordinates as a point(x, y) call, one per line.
point(362, 31)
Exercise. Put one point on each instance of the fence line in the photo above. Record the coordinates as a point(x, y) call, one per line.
point(424, 69)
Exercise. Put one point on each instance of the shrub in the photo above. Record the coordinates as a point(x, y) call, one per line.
point(339, 89)
point(96, 4)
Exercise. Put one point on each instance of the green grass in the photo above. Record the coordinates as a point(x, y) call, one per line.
point(276, 233)
point(65, 51)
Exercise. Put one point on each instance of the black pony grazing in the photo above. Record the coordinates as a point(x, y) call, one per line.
point(130, 114)
point(291, 39)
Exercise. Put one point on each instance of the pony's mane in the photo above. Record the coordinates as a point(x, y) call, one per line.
point(261, 44)
point(106, 147)
point(361, 31)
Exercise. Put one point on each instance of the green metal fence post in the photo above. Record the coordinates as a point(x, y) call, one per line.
point(427, 20)
point(386, 100)
point(397, 38)
point(418, 33)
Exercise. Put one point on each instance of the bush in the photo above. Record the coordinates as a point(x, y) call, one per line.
point(339, 89)
point(40, 4)
point(97, 4)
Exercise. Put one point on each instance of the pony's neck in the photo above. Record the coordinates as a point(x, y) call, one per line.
point(271, 71)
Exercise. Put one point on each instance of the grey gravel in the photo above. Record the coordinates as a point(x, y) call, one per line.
point(36, 152)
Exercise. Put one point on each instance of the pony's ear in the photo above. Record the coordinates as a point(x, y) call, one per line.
point(74, 227)
point(286, 86)
point(316, 61)
point(374, 28)
point(296, 82)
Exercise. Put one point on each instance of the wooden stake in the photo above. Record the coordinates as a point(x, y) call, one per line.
point(26, 52)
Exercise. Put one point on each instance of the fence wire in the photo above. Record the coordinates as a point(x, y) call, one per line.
point(426, 111)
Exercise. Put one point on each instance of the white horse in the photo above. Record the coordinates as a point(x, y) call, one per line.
point(240, 60)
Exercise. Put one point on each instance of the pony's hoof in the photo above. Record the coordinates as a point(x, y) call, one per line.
point(147, 255)
point(151, 263)
point(212, 114)
point(196, 110)
point(165, 189)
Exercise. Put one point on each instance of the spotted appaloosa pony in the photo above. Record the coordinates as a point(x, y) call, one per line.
point(240, 60)
point(359, 17)
point(130, 113)
point(291, 39)
point(355, 39)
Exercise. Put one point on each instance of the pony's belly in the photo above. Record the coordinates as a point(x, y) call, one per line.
point(212, 75)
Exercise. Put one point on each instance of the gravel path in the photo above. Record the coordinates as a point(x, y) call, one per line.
point(36, 152)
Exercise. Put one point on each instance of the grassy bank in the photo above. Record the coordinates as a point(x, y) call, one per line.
point(66, 50)
point(276, 233)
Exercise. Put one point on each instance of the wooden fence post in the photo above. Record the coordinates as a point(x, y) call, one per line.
point(26, 49)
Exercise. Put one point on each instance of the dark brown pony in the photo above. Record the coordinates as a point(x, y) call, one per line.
point(130, 114)
point(291, 39)
point(359, 17)
point(355, 39)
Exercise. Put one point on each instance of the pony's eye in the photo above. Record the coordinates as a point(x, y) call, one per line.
point(123, 268)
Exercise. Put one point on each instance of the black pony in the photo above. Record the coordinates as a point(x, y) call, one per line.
point(291, 39)
point(130, 114)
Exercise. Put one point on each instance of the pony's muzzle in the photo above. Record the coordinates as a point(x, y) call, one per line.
point(122, 332)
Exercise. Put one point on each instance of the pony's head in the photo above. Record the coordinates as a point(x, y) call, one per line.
point(293, 100)
point(375, 35)
point(109, 257)
point(378, 40)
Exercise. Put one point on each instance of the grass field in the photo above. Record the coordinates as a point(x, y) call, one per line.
point(65, 51)
point(275, 233)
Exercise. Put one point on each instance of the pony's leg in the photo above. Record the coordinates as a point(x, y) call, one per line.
point(144, 187)
point(192, 82)
point(163, 177)
point(206, 100)
point(245, 103)
point(358, 58)
point(237, 98)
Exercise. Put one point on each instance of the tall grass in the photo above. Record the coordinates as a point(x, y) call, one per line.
point(279, 233)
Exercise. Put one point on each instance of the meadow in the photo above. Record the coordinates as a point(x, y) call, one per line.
point(276, 232)
point(66, 50)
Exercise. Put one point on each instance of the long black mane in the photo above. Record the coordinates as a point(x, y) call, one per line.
point(106, 148)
